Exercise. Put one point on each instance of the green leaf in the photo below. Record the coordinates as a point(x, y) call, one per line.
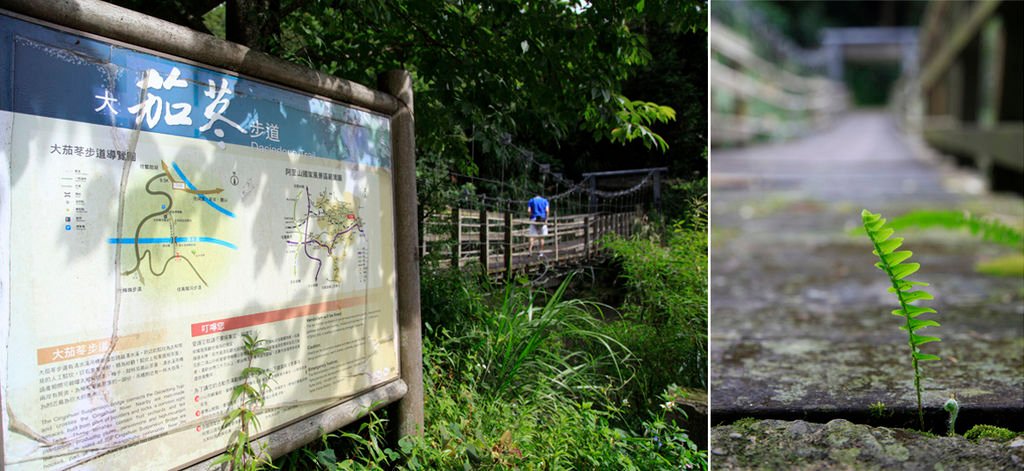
point(327, 458)
point(888, 246)
point(916, 324)
point(237, 391)
point(900, 272)
point(917, 340)
point(911, 296)
point(874, 226)
point(904, 285)
point(896, 257)
point(913, 311)
point(925, 357)
point(231, 416)
point(883, 234)
point(252, 371)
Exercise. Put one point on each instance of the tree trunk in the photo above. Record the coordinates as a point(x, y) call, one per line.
point(253, 23)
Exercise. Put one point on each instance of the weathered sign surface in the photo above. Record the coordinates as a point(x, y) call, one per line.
point(155, 210)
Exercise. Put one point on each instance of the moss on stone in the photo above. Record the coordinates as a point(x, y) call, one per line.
point(991, 432)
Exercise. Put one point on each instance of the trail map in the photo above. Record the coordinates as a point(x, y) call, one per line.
point(157, 212)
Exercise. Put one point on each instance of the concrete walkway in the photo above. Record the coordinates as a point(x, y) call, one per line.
point(800, 323)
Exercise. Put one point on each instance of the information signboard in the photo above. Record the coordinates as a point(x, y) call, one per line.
point(156, 210)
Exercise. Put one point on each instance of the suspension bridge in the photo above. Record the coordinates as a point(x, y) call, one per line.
point(493, 233)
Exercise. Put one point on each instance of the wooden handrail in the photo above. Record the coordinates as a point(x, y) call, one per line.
point(477, 236)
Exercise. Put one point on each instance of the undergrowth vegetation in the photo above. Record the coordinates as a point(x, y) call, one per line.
point(664, 315)
point(523, 377)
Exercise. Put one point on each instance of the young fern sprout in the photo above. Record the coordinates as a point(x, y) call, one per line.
point(953, 408)
point(891, 262)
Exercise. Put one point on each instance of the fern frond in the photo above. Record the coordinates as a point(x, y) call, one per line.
point(895, 265)
point(989, 229)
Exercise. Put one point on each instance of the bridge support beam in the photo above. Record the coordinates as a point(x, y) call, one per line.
point(508, 241)
point(485, 246)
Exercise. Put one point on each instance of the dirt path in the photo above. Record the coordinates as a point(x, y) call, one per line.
point(800, 323)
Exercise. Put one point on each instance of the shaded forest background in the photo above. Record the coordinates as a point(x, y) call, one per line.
point(502, 87)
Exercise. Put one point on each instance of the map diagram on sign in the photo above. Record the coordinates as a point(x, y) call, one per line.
point(327, 233)
point(174, 225)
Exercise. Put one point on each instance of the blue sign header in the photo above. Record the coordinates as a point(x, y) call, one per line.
point(67, 76)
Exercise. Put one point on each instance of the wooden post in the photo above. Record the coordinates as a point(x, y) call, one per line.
point(593, 194)
point(421, 232)
point(485, 246)
point(586, 236)
point(409, 417)
point(457, 237)
point(657, 191)
point(554, 228)
point(508, 241)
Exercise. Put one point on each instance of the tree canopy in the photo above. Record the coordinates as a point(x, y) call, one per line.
point(493, 77)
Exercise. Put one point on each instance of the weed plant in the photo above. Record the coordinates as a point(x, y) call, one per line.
point(250, 397)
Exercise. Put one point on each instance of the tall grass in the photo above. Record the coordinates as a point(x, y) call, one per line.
point(527, 339)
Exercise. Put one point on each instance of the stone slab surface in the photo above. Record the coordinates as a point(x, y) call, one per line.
point(800, 317)
point(840, 444)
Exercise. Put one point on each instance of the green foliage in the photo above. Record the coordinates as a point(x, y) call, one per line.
point(664, 315)
point(870, 83)
point(990, 432)
point(667, 285)
point(526, 338)
point(214, 20)
point(892, 263)
point(452, 297)
point(490, 73)
point(494, 404)
point(634, 119)
point(522, 378)
point(989, 229)
point(470, 429)
point(1009, 266)
point(686, 202)
point(250, 396)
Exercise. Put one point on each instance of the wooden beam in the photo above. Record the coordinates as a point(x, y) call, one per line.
point(959, 39)
point(1001, 143)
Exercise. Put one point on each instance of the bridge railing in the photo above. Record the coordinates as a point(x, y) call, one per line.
point(969, 88)
point(754, 98)
point(499, 241)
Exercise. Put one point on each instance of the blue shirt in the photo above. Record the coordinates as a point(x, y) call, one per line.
point(538, 207)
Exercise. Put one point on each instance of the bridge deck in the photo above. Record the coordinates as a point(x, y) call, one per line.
point(800, 323)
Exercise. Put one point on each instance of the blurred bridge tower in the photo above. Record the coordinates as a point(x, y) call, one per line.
point(874, 44)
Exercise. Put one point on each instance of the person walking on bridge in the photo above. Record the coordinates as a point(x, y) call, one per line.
point(538, 208)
